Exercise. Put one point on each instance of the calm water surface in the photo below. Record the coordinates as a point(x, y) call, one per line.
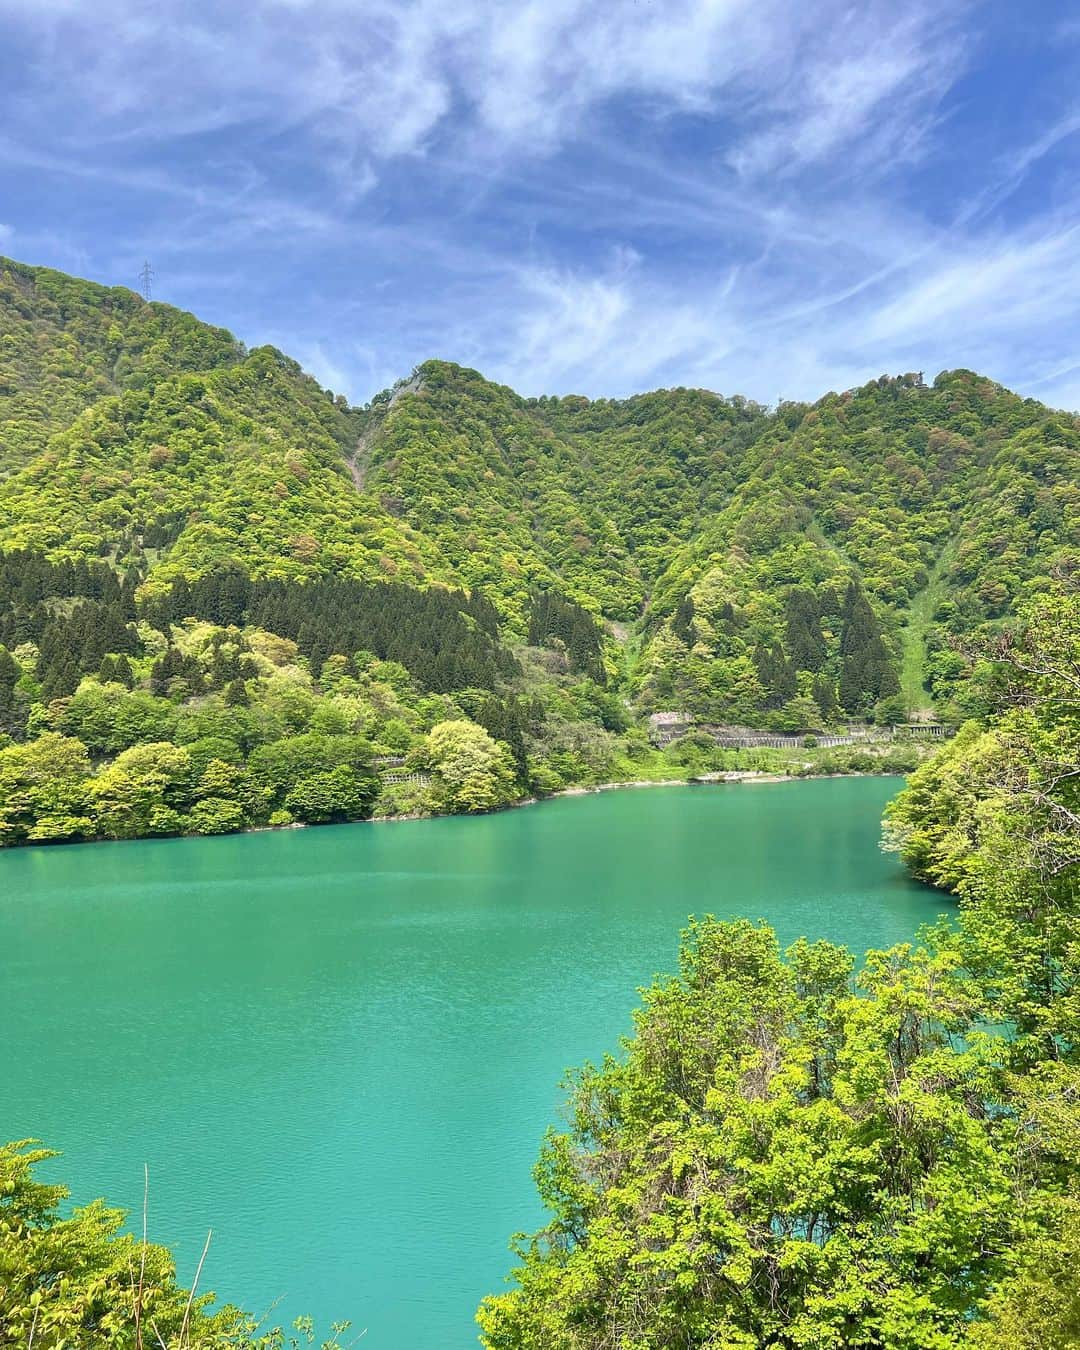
point(339, 1048)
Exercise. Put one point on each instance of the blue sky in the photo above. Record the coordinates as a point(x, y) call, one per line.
point(767, 197)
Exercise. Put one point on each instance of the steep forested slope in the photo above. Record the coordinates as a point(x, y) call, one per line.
point(699, 515)
point(201, 455)
point(884, 481)
point(64, 344)
point(878, 477)
point(762, 565)
point(590, 496)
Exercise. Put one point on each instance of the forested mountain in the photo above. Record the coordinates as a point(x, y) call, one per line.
point(586, 561)
point(133, 430)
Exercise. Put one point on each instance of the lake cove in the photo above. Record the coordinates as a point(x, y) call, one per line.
point(339, 1047)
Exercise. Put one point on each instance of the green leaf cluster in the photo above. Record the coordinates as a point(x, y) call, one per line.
point(792, 1154)
point(78, 1280)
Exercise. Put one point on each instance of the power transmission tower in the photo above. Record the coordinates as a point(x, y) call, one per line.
point(146, 276)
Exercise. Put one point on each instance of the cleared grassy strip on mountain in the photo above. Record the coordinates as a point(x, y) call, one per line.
point(913, 634)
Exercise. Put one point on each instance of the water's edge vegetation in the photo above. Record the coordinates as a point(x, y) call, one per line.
point(231, 601)
point(123, 714)
point(780, 1157)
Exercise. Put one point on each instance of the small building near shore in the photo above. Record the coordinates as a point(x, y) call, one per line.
point(665, 727)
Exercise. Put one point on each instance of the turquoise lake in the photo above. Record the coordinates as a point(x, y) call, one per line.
point(339, 1047)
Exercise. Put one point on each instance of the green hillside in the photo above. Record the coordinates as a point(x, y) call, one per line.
point(679, 550)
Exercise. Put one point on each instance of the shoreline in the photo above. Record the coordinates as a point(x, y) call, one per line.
point(720, 779)
point(701, 780)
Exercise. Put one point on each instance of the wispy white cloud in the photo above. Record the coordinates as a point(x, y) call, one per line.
point(574, 330)
point(387, 76)
point(1002, 286)
point(870, 87)
point(996, 304)
point(762, 196)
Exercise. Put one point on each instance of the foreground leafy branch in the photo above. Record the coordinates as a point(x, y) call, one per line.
point(80, 1281)
point(789, 1156)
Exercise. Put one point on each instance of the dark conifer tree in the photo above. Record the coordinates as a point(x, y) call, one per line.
point(12, 707)
point(554, 617)
point(682, 622)
point(124, 674)
point(804, 638)
point(866, 672)
point(236, 694)
point(182, 607)
point(825, 697)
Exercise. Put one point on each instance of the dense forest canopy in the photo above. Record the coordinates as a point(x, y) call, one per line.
point(199, 544)
point(130, 430)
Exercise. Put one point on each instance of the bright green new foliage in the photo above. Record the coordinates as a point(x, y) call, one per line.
point(996, 818)
point(784, 1158)
point(75, 1282)
point(473, 772)
point(778, 1161)
point(723, 538)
